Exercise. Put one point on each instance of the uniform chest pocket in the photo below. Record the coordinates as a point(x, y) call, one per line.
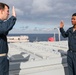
point(74, 36)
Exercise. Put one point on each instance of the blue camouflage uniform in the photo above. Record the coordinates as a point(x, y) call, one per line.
point(5, 27)
point(71, 53)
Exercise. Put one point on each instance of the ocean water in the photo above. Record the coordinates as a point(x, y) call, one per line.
point(39, 37)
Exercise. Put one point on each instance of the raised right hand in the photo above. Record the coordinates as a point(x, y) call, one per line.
point(61, 24)
point(13, 12)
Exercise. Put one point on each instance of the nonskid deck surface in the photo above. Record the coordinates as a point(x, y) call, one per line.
point(37, 58)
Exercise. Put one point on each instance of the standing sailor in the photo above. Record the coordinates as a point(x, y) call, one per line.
point(71, 54)
point(5, 26)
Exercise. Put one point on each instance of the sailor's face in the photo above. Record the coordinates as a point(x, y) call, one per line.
point(73, 20)
point(5, 13)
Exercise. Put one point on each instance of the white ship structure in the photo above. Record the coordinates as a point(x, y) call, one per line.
point(37, 58)
point(19, 39)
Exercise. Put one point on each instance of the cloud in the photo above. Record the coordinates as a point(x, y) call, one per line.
point(42, 9)
point(43, 12)
point(40, 6)
point(19, 12)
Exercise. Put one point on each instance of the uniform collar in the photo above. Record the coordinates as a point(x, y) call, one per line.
point(1, 20)
point(72, 29)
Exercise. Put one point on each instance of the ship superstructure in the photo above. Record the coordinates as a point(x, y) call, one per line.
point(38, 58)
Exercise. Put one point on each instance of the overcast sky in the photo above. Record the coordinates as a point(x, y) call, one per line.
point(41, 16)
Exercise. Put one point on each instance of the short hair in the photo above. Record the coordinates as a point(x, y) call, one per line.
point(74, 14)
point(2, 5)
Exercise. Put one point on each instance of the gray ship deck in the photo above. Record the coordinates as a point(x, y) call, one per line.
point(38, 58)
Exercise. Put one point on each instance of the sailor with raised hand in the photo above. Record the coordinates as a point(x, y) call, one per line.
point(5, 26)
point(71, 53)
